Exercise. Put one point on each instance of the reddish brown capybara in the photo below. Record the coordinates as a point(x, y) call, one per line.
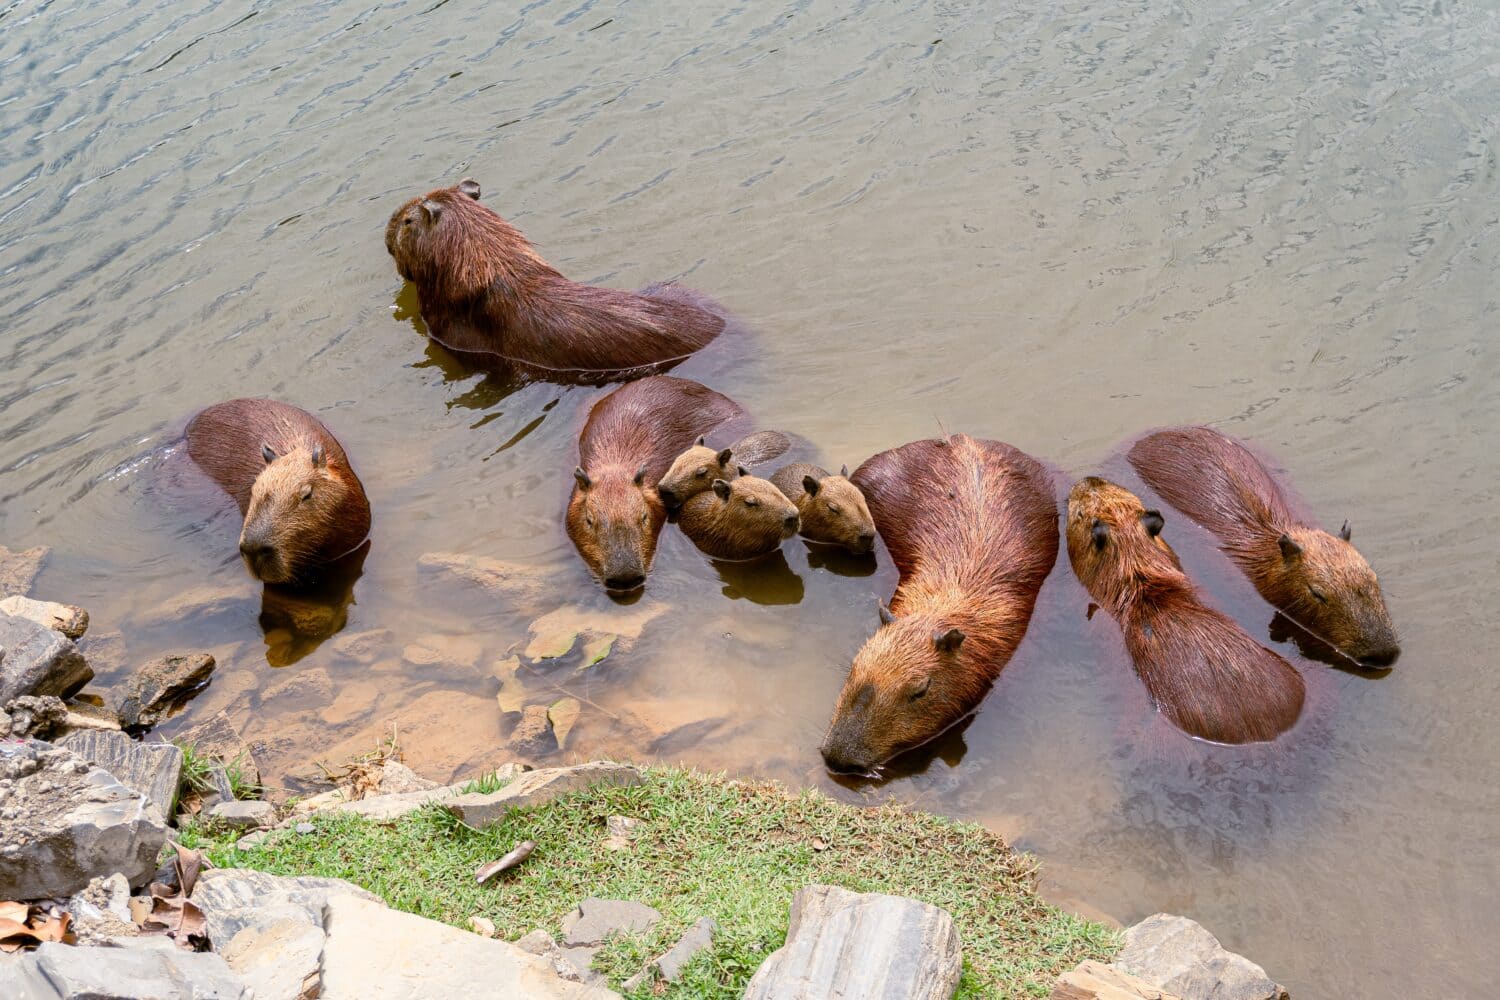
point(743, 518)
point(1319, 581)
point(972, 527)
point(614, 513)
point(484, 290)
point(1203, 671)
point(303, 506)
point(695, 470)
point(831, 508)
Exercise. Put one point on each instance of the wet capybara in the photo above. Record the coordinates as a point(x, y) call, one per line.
point(1317, 580)
point(484, 290)
point(614, 512)
point(742, 518)
point(303, 506)
point(1203, 671)
point(695, 470)
point(832, 509)
point(972, 527)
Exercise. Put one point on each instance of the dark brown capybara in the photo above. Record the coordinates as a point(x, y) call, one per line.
point(1203, 671)
point(614, 513)
point(303, 506)
point(695, 470)
point(742, 518)
point(972, 527)
point(1317, 580)
point(831, 508)
point(484, 290)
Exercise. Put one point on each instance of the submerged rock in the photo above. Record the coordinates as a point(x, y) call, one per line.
point(1178, 954)
point(511, 581)
point(69, 619)
point(532, 736)
point(19, 570)
point(149, 769)
point(144, 700)
point(61, 972)
point(36, 660)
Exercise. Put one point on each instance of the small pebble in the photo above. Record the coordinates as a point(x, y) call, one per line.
point(482, 926)
point(304, 828)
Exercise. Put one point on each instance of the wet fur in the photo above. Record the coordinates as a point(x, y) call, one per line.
point(749, 520)
point(695, 470)
point(836, 515)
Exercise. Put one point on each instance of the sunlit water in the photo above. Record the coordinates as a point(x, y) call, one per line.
point(1057, 224)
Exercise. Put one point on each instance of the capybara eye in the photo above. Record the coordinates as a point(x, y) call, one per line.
point(307, 492)
point(833, 508)
point(921, 690)
point(1317, 595)
point(645, 516)
point(589, 519)
point(702, 470)
point(751, 502)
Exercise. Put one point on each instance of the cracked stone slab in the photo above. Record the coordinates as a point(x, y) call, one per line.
point(150, 769)
point(538, 787)
point(63, 972)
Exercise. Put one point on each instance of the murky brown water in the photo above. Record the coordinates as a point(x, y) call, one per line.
point(1057, 225)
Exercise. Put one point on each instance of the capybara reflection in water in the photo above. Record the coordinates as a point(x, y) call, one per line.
point(303, 506)
point(484, 290)
point(1205, 674)
point(1319, 581)
point(742, 518)
point(694, 471)
point(972, 527)
point(614, 513)
point(832, 509)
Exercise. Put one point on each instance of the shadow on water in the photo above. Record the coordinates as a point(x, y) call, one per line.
point(839, 561)
point(1283, 629)
point(296, 621)
point(767, 580)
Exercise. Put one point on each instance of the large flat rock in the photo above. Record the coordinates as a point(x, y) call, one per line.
point(235, 898)
point(35, 659)
point(62, 972)
point(539, 787)
point(149, 769)
point(1179, 955)
point(69, 619)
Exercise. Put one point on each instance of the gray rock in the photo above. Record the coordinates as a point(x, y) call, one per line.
point(396, 777)
point(1097, 981)
point(60, 972)
point(149, 769)
point(69, 619)
point(101, 911)
point(251, 840)
point(143, 700)
point(18, 570)
point(220, 739)
point(538, 942)
point(907, 950)
point(37, 716)
point(304, 828)
point(282, 958)
point(699, 937)
point(38, 661)
point(235, 898)
point(243, 814)
point(1179, 955)
point(594, 920)
point(64, 821)
point(537, 787)
point(385, 808)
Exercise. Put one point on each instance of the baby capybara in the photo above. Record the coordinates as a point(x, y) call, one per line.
point(302, 503)
point(1319, 581)
point(614, 513)
point(485, 290)
point(742, 518)
point(1203, 671)
point(831, 508)
point(695, 470)
point(972, 527)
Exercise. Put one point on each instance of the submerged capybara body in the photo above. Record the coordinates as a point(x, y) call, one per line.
point(1203, 671)
point(302, 504)
point(484, 290)
point(614, 513)
point(694, 471)
point(972, 527)
point(1319, 581)
point(743, 518)
point(831, 509)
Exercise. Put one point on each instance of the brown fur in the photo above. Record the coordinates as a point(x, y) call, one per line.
point(614, 513)
point(304, 507)
point(743, 518)
point(832, 509)
point(1319, 581)
point(484, 290)
point(1204, 672)
point(695, 470)
point(972, 527)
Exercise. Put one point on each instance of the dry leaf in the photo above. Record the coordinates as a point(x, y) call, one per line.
point(31, 929)
point(521, 853)
point(15, 911)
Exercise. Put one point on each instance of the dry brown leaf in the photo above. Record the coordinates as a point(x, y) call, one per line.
point(488, 871)
point(15, 911)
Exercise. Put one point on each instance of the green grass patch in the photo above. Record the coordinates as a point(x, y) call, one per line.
point(732, 850)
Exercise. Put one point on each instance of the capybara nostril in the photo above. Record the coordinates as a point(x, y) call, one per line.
point(625, 582)
point(668, 497)
point(840, 763)
point(867, 541)
point(1380, 659)
point(254, 551)
point(790, 524)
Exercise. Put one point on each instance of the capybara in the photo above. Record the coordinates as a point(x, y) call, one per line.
point(972, 527)
point(303, 506)
point(1203, 671)
point(631, 436)
point(832, 509)
point(485, 290)
point(742, 518)
point(695, 470)
point(1319, 581)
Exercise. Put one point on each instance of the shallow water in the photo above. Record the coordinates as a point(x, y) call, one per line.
point(1057, 225)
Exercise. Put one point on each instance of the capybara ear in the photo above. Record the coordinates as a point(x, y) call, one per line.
point(1345, 533)
point(640, 475)
point(318, 458)
point(584, 482)
point(723, 457)
point(886, 614)
point(701, 439)
point(267, 453)
point(844, 471)
point(949, 641)
point(1289, 549)
point(470, 187)
point(432, 208)
point(1153, 522)
point(722, 489)
point(1100, 534)
point(810, 485)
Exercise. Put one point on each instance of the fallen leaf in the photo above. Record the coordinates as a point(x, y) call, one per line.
point(188, 862)
point(15, 911)
point(596, 649)
point(488, 871)
point(140, 909)
point(512, 694)
point(549, 645)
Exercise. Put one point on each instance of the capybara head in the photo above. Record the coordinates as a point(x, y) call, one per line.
point(833, 510)
point(694, 472)
point(1114, 542)
point(614, 518)
point(908, 685)
point(294, 510)
point(432, 229)
point(1327, 587)
point(740, 518)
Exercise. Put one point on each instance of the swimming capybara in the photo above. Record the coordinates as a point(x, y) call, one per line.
point(742, 518)
point(485, 290)
point(303, 506)
point(972, 527)
point(695, 470)
point(832, 509)
point(1319, 581)
point(614, 513)
point(1203, 671)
